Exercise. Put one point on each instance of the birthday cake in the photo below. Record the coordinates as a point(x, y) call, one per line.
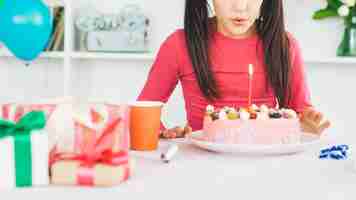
point(253, 125)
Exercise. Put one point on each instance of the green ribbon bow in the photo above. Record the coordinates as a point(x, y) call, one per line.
point(21, 131)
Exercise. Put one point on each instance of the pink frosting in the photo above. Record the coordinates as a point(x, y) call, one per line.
point(271, 131)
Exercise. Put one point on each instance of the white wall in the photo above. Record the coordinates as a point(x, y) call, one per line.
point(317, 37)
point(123, 80)
point(43, 78)
point(331, 84)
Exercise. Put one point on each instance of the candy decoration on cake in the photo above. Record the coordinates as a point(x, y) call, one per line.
point(253, 112)
point(252, 125)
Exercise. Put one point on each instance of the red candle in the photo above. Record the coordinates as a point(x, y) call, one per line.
point(250, 78)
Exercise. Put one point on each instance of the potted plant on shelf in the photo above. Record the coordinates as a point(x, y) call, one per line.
point(346, 9)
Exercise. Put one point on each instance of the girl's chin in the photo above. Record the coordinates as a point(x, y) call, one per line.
point(238, 32)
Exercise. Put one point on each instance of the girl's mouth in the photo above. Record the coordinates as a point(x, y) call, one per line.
point(239, 21)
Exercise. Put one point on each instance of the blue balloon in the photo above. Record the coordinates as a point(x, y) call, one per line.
point(26, 26)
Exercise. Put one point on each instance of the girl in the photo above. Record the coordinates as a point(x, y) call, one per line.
point(210, 58)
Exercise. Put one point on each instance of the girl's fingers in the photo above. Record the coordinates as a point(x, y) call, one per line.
point(179, 131)
point(316, 128)
point(306, 127)
point(176, 132)
point(164, 134)
point(323, 126)
point(188, 130)
point(167, 134)
point(318, 117)
point(306, 113)
point(172, 135)
point(312, 115)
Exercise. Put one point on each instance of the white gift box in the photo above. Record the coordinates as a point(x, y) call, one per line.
point(39, 152)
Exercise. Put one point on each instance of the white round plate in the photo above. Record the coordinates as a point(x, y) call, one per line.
point(307, 141)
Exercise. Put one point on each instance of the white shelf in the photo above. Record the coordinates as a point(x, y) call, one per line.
point(55, 3)
point(55, 55)
point(118, 56)
point(52, 55)
point(151, 57)
point(332, 60)
point(90, 55)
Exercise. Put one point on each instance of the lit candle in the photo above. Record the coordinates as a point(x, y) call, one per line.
point(250, 78)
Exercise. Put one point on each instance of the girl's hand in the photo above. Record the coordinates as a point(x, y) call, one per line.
point(176, 132)
point(312, 121)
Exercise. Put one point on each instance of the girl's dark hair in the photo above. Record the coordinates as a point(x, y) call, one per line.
point(270, 29)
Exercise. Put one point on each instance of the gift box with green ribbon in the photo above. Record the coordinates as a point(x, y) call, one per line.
point(24, 148)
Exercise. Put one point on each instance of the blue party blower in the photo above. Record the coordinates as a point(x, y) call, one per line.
point(336, 152)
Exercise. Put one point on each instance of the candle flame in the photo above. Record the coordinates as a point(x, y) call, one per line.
point(250, 69)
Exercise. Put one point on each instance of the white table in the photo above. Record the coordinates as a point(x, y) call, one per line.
point(198, 174)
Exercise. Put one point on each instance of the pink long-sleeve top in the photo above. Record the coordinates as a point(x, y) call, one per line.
point(230, 60)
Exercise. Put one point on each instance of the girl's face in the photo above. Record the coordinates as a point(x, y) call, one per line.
point(236, 18)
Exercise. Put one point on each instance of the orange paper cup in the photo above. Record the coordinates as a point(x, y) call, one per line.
point(145, 121)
